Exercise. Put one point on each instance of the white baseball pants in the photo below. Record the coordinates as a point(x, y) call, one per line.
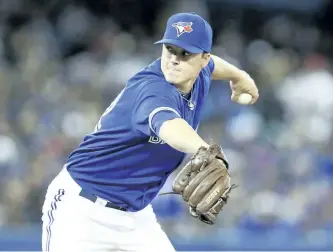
point(73, 223)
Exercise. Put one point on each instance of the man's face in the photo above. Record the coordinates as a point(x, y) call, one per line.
point(179, 66)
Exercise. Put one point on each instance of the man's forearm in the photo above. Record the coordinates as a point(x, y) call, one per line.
point(180, 135)
point(225, 71)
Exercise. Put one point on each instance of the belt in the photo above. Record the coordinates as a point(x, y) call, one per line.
point(100, 201)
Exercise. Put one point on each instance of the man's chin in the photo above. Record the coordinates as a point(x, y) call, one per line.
point(173, 81)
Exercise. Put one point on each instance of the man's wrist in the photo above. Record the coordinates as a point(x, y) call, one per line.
point(238, 75)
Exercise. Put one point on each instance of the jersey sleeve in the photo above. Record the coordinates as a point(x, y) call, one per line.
point(206, 76)
point(210, 66)
point(154, 105)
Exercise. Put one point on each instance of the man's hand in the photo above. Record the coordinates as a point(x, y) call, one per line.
point(240, 81)
point(243, 84)
point(205, 183)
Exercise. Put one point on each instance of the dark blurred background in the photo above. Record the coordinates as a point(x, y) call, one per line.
point(63, 61)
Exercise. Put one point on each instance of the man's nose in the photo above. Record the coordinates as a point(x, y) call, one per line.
point(174, 59)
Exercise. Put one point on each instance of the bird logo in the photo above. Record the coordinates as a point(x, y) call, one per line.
point(183, 27)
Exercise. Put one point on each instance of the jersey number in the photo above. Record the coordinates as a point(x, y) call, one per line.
point(107, 111)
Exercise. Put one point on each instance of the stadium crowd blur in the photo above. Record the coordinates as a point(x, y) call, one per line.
point(63, 62)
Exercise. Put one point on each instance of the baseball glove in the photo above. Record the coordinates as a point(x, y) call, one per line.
point(204, 183)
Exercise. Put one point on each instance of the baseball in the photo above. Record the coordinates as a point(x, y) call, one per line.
point(244, 99)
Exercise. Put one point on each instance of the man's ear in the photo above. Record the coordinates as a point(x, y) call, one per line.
point(206, 58)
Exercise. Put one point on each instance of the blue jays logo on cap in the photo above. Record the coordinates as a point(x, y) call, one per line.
point(198, 37)
point(183, 27)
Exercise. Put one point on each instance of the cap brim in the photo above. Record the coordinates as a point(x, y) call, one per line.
point(181, 44)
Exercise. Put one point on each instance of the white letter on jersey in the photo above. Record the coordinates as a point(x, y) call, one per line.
point(107, 111)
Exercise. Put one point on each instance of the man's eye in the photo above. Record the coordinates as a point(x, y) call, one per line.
point(169, 49)
point(186, 53)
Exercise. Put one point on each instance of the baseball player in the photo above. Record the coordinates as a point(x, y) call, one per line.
point(100, 201)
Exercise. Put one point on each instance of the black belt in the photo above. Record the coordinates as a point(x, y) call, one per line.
point(93, 198)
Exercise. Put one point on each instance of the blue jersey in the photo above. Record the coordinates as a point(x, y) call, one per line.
point(123, 160)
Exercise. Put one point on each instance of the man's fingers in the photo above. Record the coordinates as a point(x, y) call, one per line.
point(232, 86)
point(240, 88)
point(235, 97)
point(255, 98)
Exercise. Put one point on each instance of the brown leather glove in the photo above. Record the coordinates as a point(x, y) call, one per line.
point(204, 183)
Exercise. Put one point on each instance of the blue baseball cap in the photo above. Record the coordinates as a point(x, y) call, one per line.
point(188, 31)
